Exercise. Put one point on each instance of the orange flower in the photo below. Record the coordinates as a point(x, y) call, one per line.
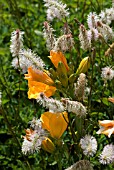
point(56, 57)
point(39, 76)
point(106, 127)
point(35, 88)
point(55, 123)
point(111, 99)
point(38, 82)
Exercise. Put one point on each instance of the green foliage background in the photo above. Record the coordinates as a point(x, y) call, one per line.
point(18, 110)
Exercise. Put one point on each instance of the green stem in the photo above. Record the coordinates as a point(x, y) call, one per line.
point(93, 55)
point(58, 159)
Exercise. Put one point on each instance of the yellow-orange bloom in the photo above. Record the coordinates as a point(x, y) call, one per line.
point(111, 99)
point(35, 88)
point(38, 82)
point(57, 57)
point(39, 76)
point(106, 127)
point(55, 123)
point(48, 145)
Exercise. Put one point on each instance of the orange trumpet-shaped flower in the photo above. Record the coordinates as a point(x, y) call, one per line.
point(57, 57)
point(48, 145)
point(55, 123)
point(39, 81)
point(35, 88)
point(106, 127)
point(39, 76)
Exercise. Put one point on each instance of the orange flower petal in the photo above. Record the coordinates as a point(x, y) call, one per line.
point(49, 91)
point(45, 117)
point(55, 123)
point(35, 88)
point(106, 127)
point(39, 76)
point(108, 131)
point(106, 123)
point(56, 57)
point(111, 99)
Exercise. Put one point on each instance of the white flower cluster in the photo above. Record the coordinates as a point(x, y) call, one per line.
point(107, 155)
point(107, 16)
point(35, 123)
point(32, 145)
point(53, 105)
point(92, 20)
point(93, 34)
point(74, 107)
point(80, 87)
point(23, 58)
point(105, 31)
point(88, 145)
point(33, 139)
point(56, 106)
point(17, 64)
point(29, 58)
point(16, 42)
point(97, 28)
point(49, 36)
point(55, 9)
point(84, 38)
point(107, 73)
point(64, 43)
point(81, 165)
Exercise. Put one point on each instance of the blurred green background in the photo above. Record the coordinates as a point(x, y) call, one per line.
point(17, 109)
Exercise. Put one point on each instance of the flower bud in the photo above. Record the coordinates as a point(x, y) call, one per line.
point(83, 66)
point(53, 73)
point(48, 145)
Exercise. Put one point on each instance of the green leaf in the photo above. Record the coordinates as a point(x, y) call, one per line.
point(105, 101)
point(4, 101)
